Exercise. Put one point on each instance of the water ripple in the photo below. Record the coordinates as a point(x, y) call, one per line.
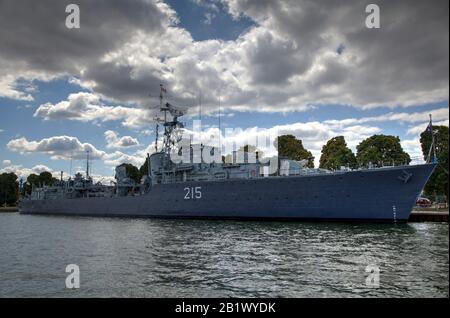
point(194, 258)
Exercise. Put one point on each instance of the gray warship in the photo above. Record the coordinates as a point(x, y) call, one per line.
point(246, 187)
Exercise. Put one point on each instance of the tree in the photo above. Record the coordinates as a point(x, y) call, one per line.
point(438, 182)
point(132, 172)
point(381, 150)
point(9, 188)
point(336, 154)
point(292, 148)
point(143, 170)
point(33, 179)
point(46, 178)
point(28, 186)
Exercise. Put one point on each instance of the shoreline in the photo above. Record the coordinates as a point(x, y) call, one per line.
point(9, 209)
point(422, 215)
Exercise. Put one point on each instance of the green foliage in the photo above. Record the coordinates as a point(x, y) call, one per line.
point(381, 150)
point(336, 154)
point(44, 178)
point(47, 178)
point(292, 148)
point(132, 172)
point(9, 188)
point(438, 182)
point(143, 170)
point(33, 179)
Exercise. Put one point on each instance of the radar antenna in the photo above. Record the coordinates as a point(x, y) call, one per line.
point(172, 126)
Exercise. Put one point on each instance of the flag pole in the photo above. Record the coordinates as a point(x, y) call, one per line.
point(432, 150)
point(433, 145)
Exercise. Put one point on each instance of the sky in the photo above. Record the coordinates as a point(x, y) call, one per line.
point(308, 68)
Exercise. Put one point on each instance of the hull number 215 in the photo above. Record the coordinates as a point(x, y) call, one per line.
point(193, 193)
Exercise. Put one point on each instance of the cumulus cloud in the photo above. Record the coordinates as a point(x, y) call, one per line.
point(68, 148)
point(10, 88)
point(413, 148)
point(390, 66)
point(84, 106)
point(33, 39)
point(290, 60)
point(57, 147)
point(313, 134)
point(212, 5)
point(298, 55)
point(208, 18)
point(440, 114)
point(23, 172)
point(116, 158)
point(113, 141)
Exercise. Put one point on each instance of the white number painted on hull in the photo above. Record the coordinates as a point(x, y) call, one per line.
point(193, 193)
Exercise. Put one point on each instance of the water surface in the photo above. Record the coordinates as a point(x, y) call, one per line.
point(194, 258)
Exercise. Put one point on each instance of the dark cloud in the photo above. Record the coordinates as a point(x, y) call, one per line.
point(35, 31)
point(288, 60)
point(116, 82)
point(58, 147)
point(408, 54)
point(273, 60)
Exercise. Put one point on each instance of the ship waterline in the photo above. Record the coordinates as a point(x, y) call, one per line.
point(247, 187)
point(384, 194)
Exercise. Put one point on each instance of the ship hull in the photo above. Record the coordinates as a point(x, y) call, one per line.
point(384, 195)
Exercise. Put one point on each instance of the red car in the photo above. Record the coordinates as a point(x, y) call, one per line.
point(423, 202)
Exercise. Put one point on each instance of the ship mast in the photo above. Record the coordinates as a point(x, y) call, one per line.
point(156, 137)
point(164, 108)
point(87, 164)
point(220, 131)
point(170, 126)
point(158, 120)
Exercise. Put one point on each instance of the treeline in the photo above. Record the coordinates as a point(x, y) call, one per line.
point(377, 150)
point(9, 185)
point(9, 189)
point(438, 182)
point(38, 180)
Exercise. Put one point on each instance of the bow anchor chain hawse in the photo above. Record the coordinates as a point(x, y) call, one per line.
point(405, 177)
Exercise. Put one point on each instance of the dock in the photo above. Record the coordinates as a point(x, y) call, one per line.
point(428, 216)
point(9, 209)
